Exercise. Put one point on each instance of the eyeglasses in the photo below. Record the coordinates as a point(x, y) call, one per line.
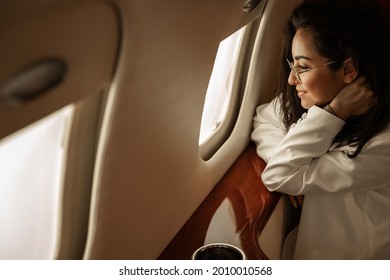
point(301, 70)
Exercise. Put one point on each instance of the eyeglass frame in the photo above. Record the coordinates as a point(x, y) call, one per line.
point(297, 72)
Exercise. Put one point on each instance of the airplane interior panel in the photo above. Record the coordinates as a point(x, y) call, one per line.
point(137, 180)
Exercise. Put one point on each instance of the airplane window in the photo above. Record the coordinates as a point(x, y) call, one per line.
point(219, 91)
point(31, 167)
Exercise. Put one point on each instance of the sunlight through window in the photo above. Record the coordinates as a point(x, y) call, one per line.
point(31, 167)
point(219, 90)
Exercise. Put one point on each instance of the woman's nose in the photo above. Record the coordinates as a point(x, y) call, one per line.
point(292, 79)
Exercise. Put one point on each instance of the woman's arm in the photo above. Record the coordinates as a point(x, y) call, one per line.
point(303, 164)
point(268, 129)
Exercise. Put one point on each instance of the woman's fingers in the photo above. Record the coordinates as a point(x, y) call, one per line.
point(354, 99)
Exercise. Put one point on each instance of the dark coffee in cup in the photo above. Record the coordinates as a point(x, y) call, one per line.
point(218, 251)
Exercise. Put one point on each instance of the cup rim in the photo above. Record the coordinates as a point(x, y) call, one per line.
point(218, 244)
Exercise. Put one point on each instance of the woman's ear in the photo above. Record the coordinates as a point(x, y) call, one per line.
point(350, 70)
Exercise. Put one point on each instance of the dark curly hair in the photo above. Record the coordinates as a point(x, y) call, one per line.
point(343, 29)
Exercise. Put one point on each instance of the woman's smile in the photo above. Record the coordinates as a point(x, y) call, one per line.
point(301, 93)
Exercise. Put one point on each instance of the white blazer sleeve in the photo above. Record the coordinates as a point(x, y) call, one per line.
point(268, 129)
point(303, 164)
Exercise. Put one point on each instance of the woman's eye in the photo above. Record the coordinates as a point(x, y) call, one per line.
point(302, 68)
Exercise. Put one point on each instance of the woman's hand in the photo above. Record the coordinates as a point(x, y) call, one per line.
point(354, 99)
point(296, 201)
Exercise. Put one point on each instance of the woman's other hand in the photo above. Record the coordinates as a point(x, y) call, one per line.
point(296, 201)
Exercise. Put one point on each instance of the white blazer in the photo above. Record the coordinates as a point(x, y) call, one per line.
point(346, 210)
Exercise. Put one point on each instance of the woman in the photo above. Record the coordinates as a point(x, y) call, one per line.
point(326, 136)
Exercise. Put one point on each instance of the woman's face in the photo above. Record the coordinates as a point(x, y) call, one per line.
point(319, 85)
